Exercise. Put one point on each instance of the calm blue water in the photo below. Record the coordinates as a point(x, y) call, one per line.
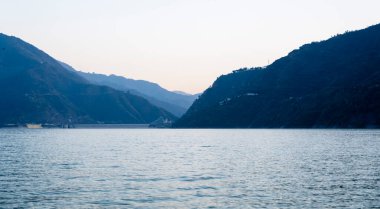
point(153, 168)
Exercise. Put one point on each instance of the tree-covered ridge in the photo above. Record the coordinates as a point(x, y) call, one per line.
point(35, 88)
point(332, 83)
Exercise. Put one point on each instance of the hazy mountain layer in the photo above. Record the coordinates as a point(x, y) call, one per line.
point(174, 102)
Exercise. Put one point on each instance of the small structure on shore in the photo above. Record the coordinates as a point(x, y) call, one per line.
point(161, 122)
point(33, 125)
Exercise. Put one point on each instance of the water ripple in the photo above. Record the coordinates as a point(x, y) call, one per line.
point(155, 168)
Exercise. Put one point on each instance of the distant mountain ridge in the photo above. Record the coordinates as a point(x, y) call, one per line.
point(173, 102)
point(182, 93)
point(35, 88)
point(328, 84)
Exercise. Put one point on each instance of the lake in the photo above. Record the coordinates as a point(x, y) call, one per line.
point(163, 168)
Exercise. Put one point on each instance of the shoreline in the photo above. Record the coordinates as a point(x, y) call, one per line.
point(81, 126)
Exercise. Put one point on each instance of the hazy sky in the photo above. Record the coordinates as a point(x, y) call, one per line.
point(182, 45)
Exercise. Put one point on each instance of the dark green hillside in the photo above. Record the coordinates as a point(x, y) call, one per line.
point(329, 84)
point(34, 87)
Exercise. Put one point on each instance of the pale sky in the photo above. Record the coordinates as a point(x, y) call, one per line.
point(179, 44)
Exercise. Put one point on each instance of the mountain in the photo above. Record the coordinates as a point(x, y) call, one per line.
point(328, 84)
point(182, 93)
point(170, 101)
point(173, 102)
point(35, 88)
